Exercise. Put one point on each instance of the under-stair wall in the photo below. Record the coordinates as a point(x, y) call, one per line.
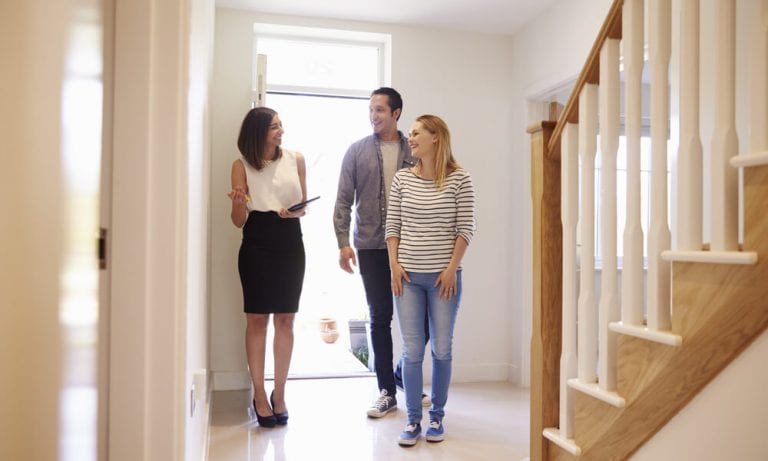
point(725, 421)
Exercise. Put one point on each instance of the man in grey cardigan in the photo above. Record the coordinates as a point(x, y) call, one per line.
point(366, 174)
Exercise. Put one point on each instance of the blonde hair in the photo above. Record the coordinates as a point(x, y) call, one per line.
point(445, 164)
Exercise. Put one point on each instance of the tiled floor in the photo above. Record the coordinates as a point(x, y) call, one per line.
point(484, 421)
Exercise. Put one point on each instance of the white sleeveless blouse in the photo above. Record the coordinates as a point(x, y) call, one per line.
point(274, 187)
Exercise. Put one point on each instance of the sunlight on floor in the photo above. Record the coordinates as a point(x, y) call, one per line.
point(484, 421)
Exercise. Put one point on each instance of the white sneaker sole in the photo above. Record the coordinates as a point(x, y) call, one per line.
point(407, 442)
point(378, 414)
point(435, 438)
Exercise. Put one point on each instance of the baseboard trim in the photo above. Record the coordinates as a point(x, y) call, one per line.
point(462, 373)
point(231, 380)
point(486, 372)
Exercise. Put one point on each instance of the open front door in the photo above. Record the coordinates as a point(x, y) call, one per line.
point(259, 97)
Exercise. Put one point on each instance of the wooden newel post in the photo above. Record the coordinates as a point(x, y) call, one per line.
point(546, 337)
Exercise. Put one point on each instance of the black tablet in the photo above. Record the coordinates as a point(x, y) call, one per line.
point(301, 205)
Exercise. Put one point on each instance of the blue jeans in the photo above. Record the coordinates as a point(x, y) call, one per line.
point(420, 297)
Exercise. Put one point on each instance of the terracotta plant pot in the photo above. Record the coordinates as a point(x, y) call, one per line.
point(328, 331)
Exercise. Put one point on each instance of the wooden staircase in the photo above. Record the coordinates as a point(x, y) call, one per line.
point(718, 308)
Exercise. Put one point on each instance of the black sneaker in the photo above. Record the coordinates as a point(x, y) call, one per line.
point(382, 405)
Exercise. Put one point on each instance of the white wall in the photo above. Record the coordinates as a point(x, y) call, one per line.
point(466, 79)
point(727, 420)
point(160, 215)
point(197, 200)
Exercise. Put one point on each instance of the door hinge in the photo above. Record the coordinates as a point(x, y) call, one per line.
point(102, 248)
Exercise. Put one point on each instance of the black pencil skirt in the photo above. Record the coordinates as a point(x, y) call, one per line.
point(271, 263)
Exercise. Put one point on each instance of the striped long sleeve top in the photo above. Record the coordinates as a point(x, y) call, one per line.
point(428, 220)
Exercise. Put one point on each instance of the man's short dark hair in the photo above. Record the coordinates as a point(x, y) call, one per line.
point(395, 100)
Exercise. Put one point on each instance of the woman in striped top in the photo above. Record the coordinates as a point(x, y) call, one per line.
point(430, 222)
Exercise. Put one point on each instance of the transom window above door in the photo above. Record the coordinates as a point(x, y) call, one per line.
point(322, 61)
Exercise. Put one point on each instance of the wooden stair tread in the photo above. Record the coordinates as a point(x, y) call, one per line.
point(748, 160)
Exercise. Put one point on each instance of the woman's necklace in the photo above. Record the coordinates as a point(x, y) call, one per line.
point(269, 161)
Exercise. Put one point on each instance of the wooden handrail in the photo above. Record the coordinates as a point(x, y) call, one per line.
point(590, 73)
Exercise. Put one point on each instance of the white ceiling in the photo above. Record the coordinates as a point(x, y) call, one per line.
point(488, 16)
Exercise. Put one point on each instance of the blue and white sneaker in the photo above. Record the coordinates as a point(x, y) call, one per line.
point(410, 435)
point(435, 432)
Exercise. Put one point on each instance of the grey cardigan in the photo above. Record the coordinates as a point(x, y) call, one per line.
point(361, 182)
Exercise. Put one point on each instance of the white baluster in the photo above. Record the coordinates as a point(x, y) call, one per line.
point(689, 171)
point(608, 310)
point(632, 268)
point(659, 235)
point(569, 208)
point(725, 143)
point(587, 309)
point(758, 130)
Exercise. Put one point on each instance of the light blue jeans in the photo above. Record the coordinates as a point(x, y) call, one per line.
point(420, 297)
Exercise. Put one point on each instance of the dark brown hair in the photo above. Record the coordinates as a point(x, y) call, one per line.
point(395, 100)
point(253, 136)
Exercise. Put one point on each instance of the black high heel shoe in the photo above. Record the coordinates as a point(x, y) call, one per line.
point(280, 418)
point(264, 421)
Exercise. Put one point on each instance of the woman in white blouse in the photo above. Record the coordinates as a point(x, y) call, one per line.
point(266, 181)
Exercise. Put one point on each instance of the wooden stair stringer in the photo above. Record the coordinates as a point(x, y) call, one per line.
point(718, 309)
point(671, 377)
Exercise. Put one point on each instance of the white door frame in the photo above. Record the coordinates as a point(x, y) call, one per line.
point(147, 298)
